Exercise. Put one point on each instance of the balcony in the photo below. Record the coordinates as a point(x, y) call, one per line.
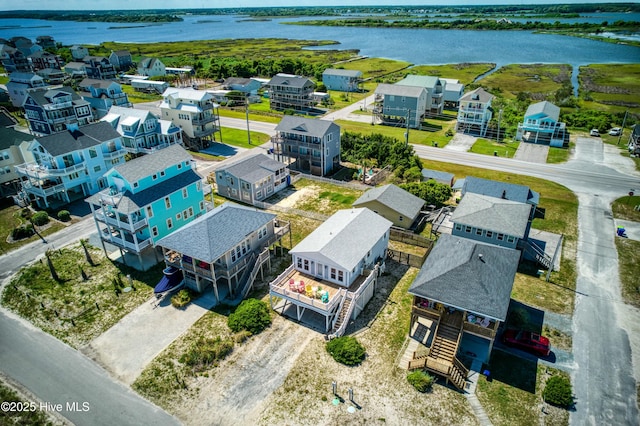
point(127, 244)
point(46, 190)
point(201, 121)
point(37, 171)
point(132, 225)
point(57, 106)
point(111, 155)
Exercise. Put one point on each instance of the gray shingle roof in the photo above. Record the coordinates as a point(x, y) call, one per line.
point(289, 80)
point(399, 90)
point(253, 168)
point(103, 84)
point(42, 94)
point(346, 237)
point(492, 188)
point(493, 214)
point(544, 107)
point(210, 236)
point(10, 137)
point(75, 140)
point(405, 203)
point(438, 176)
point(477, 95)
point(306, 126)
point(468, 275)
point(147, 165)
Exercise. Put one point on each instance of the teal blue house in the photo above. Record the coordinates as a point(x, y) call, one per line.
point(146, 199)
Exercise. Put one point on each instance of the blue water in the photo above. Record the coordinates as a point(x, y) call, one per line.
point(412, 45)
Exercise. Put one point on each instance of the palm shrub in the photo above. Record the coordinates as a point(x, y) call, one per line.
point(420, 380)
point(206, 352)
point(558, 391)
point(346, 350)
point(181, 299)
point(251, 315)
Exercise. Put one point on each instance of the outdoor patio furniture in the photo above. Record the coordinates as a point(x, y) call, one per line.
point(309, 290)
point(292, 285)
point(301, 287)
point(325, 296)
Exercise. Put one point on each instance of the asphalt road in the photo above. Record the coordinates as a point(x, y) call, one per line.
point(61, 376)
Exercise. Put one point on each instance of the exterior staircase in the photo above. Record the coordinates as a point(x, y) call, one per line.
point(344, 314)
point(533, 250)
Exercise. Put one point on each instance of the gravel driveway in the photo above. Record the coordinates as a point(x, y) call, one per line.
point(532, 152)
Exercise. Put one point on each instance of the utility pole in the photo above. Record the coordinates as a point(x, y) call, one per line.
point(406, 134)
point(246, 105)
point(622, 128)
point(499, 119)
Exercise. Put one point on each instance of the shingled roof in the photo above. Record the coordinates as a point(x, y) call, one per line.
point(147, 165)
point(78, 139)
point(209, 237)
point(468, 275)
point(403, 202)
point(308, 126)
point(493, 188)
point(493, 214)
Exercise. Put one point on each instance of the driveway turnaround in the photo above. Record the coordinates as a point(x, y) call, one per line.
point(66, 381)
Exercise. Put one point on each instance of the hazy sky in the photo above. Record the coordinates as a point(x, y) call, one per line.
point(197, 4)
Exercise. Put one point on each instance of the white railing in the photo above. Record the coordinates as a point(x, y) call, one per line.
point(141, 245)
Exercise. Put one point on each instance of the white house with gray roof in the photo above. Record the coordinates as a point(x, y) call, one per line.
point(475, 112)
point(393, 203)
point(461, 295)
point(292, 92)
point(251, 178)
point(491, 220)
point(342, 80)
point(334, 269)
point(309, 145)
point(69, 165)
point(146, 199)
point(220, 249)
point(397, 103)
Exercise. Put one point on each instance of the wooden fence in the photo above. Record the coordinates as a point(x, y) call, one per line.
point(407, 258)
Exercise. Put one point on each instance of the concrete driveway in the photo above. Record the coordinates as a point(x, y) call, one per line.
point(460, 142)
point(532, 153)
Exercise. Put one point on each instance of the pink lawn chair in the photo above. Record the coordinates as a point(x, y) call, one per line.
point(292, 285)
point(301, 287)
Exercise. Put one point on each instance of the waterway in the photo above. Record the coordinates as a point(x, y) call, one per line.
point(417, 46)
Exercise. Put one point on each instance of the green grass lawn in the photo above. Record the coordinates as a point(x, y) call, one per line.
point(559, 155)
point(421, 137)
point(628, 250)
point(500, 149)
point(136, 97)
point(466, 72)
point(238, 137)
point(514, 394)
point(329, 198)
point(10, 219)
point(66, 307)
point(612, 88)
point(257, 114)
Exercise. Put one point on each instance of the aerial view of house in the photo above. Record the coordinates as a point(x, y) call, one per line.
point(51, 109)
point(393, 203)
point(146, 199)
point(69, 165)
point(220, 249)
point(307, 144)
point(435, 91)
point(102, 95)
point(291, 92)
point(334, 270)
point(401, 104)
point(251, 178)
point(542, 125)
point(342, 80)
point(475, 112)
point(461, 295)
point(142, 132)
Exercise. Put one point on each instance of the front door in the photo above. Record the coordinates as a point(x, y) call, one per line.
point(319, 270)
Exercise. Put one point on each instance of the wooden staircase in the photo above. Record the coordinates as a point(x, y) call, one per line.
point(343, 316)
point(442, 354)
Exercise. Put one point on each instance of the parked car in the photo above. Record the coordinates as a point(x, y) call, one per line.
point(594, 132)
point(616, 131)
point(527, 340)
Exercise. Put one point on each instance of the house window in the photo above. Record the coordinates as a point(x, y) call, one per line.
point(489, 234)
point(333, 273)
point(179, 216)
point(305, 265)
point(479, 231)
point(179, 166)
point(400, 218)
point(167, 202)
point(510, 238)
point(96, 169)
point(198, 185)
point(93, 153)
point(299, 263)
point(154, 231)
point(149, 211)
point(458, 227)
point(154, 177)
point(467, 229)
point(169, 223)
point(340, 276)
point(135, 184)
point(201, 205)
point(184, 193)
point(262, 232)
point(162, 173)
point(190, 210)
point(500, 237)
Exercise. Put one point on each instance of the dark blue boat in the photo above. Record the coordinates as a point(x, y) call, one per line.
point(171, 280)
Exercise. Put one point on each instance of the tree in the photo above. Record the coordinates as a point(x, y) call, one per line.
point(431, 192)
point(346, 350)
point(558, 391)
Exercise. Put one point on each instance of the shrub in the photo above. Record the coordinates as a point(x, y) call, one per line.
point(252, 315)
point(22, 231)
point(558, 391)
point(346, 350)
point(26, 213)
point(206, 352)
point(40, 218)
point(420, 380)
point(64, 215)
point(181, 298)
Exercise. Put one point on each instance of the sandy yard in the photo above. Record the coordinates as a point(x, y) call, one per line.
point(291, 196)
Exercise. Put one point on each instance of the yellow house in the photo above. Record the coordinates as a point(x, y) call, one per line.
point(393, 203)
